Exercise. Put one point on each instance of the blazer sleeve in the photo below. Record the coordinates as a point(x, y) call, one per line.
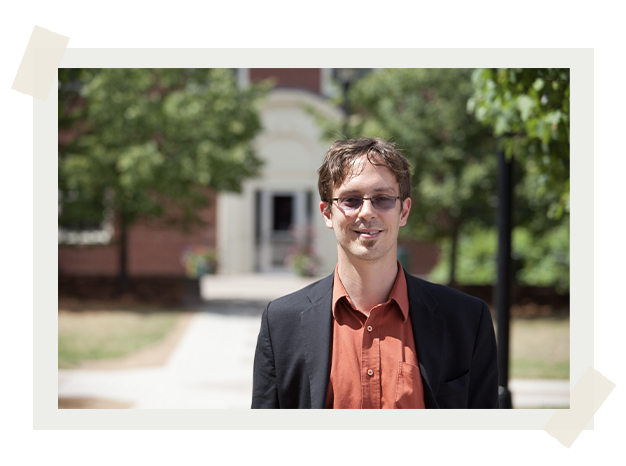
point(483, 388)
point(264, 391)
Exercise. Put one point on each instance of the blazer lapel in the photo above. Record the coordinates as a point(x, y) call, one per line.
point(317, 334)
point(428, 329)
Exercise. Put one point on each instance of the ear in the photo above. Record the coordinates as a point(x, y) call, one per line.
point(404, 213)
point(326, 214)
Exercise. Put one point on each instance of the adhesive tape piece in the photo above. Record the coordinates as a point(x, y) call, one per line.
point(38, 69)
point(586, 397)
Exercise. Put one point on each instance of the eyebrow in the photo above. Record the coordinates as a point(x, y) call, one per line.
point(357, 192)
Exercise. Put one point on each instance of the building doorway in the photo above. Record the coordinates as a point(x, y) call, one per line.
point(282, 219)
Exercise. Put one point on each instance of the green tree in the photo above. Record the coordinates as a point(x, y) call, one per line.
point(149, 142)
point(538, 260)
point(528, 109)
point(452, 155)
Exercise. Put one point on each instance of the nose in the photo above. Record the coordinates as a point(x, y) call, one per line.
point(367, 210)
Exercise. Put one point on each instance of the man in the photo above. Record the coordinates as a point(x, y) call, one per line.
point(370, 335)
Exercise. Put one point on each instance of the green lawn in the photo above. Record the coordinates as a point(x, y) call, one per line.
point(539, 348)
point(93, 335)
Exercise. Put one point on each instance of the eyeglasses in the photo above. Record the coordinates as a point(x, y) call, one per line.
point(355, 203)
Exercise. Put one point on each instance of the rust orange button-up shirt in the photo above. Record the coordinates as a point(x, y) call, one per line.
point(374, 362)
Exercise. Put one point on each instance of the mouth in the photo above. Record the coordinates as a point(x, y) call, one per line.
point(368, 234)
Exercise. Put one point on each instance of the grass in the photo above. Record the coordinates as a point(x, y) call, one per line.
point(539, 348)
point(95, 335)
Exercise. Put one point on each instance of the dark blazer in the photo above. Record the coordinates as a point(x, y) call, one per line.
point(454, 340)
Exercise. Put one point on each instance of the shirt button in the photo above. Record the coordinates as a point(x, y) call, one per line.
point(369, 328)
point(370, 372)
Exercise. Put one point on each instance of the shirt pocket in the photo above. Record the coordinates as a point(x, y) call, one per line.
point(409, 389)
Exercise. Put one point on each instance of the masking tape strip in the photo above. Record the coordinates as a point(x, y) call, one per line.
point(40, 63)
point(586, 397)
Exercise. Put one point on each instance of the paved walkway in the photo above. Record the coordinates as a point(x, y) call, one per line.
point(210, 368)
point(212, 365)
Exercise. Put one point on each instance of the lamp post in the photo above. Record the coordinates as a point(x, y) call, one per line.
point(503, 286)
point(345, 77)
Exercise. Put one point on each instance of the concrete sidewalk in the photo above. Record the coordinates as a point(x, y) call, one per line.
point(256, 287)
point(212, 365)
point(210, 368)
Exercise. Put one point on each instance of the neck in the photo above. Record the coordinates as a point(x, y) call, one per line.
point(368, 282)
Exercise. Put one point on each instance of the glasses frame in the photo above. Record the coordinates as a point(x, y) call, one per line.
point(363, 199)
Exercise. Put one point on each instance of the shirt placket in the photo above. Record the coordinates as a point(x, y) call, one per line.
point(370, 361)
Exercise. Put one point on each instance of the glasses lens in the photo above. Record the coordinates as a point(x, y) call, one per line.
point(350, 203)
point(379, 202)
point(384, 202)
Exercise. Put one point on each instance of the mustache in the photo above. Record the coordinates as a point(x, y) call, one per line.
point(368, 227)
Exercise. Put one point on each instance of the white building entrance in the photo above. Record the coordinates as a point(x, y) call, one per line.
point(277, 214)
point(283, 219)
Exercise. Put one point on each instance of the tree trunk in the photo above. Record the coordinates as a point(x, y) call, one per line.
point(454, 249)
point(122, 276)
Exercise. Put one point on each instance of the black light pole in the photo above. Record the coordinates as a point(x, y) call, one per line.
point(345, 76)
point(346, 109)
point(503, 287)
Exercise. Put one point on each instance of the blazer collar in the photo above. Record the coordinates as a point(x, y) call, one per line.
point(316, 322)
point(428, 328)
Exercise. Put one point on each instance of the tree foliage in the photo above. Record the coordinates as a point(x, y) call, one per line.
point(538, 260)
point(154, 136)
point(528, 109)
point(146, 142)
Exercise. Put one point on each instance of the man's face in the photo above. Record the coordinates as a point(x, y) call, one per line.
point(367, 234)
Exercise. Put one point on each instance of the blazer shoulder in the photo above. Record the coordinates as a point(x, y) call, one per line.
point(441, 294)
point(303, 298)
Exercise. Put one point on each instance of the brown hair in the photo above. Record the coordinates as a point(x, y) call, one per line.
point(339, 159)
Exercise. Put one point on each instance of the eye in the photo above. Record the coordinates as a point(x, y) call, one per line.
point(351, 202)
point(384, 202)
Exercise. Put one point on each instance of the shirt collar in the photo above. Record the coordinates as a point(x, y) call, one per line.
point(398, 292)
